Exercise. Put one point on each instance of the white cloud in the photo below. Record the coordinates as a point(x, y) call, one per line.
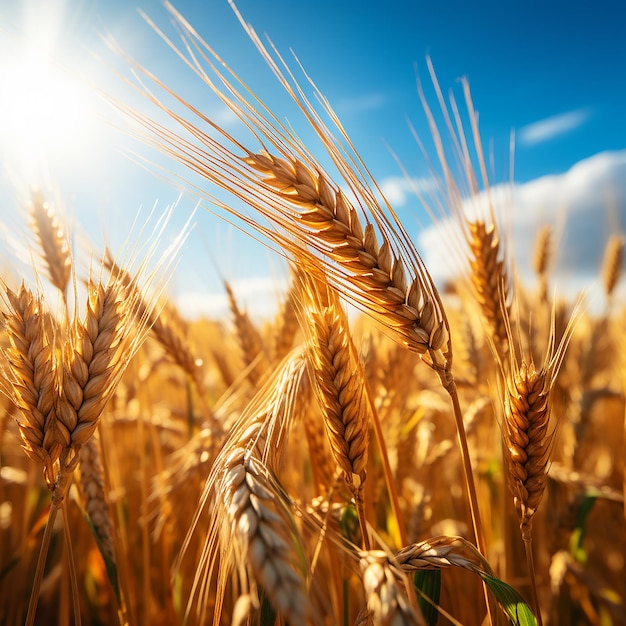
point(585, 205)
point(225, 117)
point(361, 104)
point(397, 189)
point(551, 127)
point(259, 296)
point(589, 201)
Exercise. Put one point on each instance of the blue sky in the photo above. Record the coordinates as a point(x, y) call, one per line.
point(553, 71)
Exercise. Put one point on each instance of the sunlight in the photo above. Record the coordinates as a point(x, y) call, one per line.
point(47, 115)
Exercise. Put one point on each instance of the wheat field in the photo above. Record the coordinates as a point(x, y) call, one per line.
point(385, 450)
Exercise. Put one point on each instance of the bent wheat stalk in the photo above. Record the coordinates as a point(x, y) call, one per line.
point(362, 247)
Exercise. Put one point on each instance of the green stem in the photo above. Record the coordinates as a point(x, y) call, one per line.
point(528, 546)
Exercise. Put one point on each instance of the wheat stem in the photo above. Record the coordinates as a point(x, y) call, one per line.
point(61, 487)
point(528, 547)
point(387, 473)
point(467, 466)
point(71, 564)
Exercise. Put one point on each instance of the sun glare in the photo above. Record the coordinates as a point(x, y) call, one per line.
point(46, 113)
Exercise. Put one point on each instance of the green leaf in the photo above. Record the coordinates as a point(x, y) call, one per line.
point(511, 602)
point(576, 539)
point(428, 584)
point(349, 523)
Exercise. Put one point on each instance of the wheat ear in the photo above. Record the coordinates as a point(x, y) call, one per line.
point(612, 263)
point(250, 341)
point(31, 383)
point(541, 259)
point(93, 495)
point(490, 281)
point(528, 434)
point(374, 274)
point(91, 361)
point(53, 241)
point(258, 538)
point(386, 601)
point(339, 386)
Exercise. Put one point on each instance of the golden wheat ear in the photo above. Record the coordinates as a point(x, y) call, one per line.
point(30, 383)
point(252, 530)
point(528, 431)
point(339, 384)
point(53, 241)
point(612, 263)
